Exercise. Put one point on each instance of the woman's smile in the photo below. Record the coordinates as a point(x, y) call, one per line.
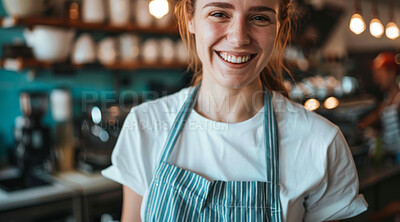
point(236, 58)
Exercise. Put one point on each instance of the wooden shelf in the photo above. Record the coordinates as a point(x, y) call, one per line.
point(20, 64)
point(8, 22)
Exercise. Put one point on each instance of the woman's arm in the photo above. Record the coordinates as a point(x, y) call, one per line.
point(371, 118)
point(131, 205)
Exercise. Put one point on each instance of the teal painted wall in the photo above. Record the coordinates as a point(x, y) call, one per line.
point(99, 82)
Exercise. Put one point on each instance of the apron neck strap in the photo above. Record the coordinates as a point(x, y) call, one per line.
point(272, 158)
point(179, 123)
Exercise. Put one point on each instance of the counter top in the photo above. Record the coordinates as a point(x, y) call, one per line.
point(66, 185)
point(86, 183)
point(35, 195)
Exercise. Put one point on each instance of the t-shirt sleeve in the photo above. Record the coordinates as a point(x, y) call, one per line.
point(133, 158)
point(336, 197)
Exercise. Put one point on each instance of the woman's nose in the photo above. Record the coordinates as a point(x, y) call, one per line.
point(238, 34)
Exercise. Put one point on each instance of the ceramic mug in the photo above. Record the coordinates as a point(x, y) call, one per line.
point(142, 15)
point(93, 11)
point(119, 12)
point(129, 47)
point(150, 51)
point(84, 50)
point(107, 51)
point(167, 51)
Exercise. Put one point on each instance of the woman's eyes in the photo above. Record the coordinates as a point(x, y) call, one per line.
point(219, 15)
point(259, 19)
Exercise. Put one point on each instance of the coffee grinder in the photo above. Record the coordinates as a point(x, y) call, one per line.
point(32, 145)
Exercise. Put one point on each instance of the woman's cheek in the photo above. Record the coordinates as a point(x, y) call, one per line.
point(207, 38)
point(213, 31)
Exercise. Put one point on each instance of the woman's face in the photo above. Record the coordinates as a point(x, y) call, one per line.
point(234, 38)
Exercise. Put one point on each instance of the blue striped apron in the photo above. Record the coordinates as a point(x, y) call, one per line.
point(180, 195)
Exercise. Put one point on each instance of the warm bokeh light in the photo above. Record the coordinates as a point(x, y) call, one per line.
point(392, 30)
point(357, 24)
point(311, 104)
point(159, 8)
point(376, 28)
point(331, 103)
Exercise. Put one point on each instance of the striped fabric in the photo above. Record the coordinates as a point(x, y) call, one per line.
point(180, 195)
point(391, 128)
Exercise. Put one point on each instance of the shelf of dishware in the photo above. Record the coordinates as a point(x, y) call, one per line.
point(9, 22)
point(19, 64)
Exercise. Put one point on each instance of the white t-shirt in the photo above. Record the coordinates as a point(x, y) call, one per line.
point(317, 176)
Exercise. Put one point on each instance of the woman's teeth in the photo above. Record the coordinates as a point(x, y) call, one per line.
point(234, 59)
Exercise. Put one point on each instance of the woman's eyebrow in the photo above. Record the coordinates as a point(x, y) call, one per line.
point(229, 6)
point(261, 9)
point(219, 5)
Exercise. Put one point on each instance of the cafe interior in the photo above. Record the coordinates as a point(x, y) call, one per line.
point(71, 70)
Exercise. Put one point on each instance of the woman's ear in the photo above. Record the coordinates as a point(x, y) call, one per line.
point(190, 20)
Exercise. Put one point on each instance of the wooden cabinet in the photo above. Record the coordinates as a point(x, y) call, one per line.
point(95, 206)
point(60, 210)
point(73, 197)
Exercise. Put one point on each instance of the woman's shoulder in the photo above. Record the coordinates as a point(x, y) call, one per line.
point(294, 119)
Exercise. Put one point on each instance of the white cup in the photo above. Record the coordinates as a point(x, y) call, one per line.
point(107, 51)
point(60, 101)
point(119, 11)
point(129, 47)
point(142, 15)
point(93, 11)
point(84, 50)
point(150, 51)
point(167, 50)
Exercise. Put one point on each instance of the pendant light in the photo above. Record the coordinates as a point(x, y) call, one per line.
point(159, 8)
point(392, 30)
point(357, 24)
point(375, 26)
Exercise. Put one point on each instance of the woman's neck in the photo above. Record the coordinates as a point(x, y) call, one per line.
point(229, 105)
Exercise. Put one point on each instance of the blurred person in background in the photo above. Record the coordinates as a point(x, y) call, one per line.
point(385, 72)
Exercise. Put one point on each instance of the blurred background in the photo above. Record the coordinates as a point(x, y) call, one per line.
point(70, 70)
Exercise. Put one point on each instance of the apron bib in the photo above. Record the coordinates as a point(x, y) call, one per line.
point(180, 195)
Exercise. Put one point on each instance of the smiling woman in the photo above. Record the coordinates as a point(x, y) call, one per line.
point(276, 13)
point(233, 147)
